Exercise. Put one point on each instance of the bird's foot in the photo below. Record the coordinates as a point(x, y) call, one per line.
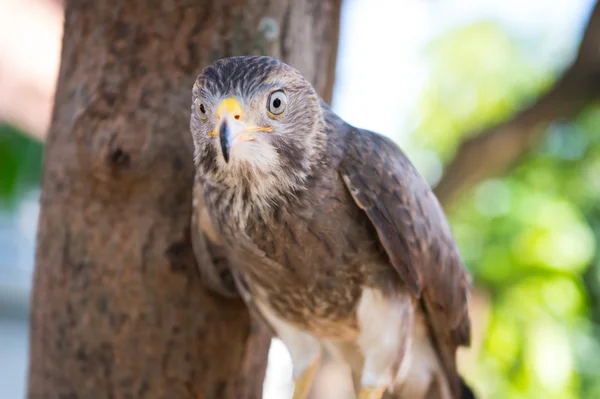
point(303, 384)
point(371, 392)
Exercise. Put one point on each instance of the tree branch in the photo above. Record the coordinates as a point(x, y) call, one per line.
point(495, 150)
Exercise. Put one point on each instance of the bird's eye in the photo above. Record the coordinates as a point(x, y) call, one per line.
point(277, 103)
point(200, 110)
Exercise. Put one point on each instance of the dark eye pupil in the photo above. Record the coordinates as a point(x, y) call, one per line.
point(202, 108)
point(277, 103)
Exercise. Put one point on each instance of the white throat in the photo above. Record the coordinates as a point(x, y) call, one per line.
point(253, 181)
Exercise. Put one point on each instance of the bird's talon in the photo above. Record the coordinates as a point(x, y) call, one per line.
point(371, 392)
point(303, 384)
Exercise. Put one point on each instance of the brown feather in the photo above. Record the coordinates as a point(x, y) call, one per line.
point(210, 256)
point(344, 213)
point(415, 234)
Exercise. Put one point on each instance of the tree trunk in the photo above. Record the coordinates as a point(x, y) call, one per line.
point(118, 307)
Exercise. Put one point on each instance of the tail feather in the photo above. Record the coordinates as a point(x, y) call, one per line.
point(465, 391)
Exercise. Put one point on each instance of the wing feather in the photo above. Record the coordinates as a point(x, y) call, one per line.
point(415, 234)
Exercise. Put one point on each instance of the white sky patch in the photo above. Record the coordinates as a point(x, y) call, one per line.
point(380, 72)
point(278, 381)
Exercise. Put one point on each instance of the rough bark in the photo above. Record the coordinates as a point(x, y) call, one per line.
point(492, 152)
point(118, 307)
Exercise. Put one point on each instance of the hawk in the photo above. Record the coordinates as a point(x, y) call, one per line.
point(327, 231)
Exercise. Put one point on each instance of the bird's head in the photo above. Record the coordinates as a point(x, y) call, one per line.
point(257, 121)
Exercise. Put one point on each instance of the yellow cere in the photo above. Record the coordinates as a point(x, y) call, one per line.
point(231, 106)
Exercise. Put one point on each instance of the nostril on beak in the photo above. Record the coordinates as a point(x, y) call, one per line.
point(236, 117)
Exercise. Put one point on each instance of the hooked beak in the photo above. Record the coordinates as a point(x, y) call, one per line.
point(225, 139)
point(231, 128)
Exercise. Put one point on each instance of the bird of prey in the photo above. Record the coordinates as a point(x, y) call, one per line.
point(327, 231)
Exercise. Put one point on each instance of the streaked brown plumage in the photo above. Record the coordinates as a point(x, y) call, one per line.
point(331, 235)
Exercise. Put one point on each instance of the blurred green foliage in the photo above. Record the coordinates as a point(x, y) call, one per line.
point(20, 164)
point(530, 238)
